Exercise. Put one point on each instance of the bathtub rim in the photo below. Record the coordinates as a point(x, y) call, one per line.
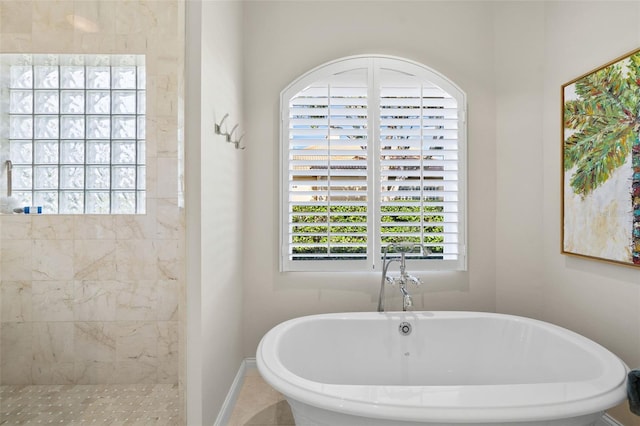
point(348, 399)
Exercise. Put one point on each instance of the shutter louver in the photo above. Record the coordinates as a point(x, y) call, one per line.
point(328, 170)
point(418, 165)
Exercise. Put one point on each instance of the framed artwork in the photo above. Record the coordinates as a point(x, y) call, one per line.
point(601, 163)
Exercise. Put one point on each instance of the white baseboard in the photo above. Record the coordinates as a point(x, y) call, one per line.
point(607, 420)
point(250, 364)
point(230, 401)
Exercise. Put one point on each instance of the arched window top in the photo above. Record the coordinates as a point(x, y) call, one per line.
point(373, 152)
point(351, 64)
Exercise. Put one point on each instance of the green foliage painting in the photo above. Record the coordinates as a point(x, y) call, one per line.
point(601, 162)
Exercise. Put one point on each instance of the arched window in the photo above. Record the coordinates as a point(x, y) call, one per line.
point(373, 152)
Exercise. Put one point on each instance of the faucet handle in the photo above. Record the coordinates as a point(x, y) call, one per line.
point(391, 280)
point(414, 280)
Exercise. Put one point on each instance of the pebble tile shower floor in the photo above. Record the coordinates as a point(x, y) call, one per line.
point(75, 405)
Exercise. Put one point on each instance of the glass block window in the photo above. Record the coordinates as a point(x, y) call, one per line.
point(76, 132)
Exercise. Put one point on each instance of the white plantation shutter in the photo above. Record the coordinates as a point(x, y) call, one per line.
point(419, 165)
point(372, 153)
point(327, 169)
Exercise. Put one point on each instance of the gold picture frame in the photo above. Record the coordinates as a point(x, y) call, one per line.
point(601, 163)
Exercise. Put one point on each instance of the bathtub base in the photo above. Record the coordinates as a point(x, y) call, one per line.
point(307, 415)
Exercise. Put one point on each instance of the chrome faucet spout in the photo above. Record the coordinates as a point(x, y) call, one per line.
point(407, 301)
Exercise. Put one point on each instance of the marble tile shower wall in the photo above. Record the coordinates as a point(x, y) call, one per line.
point(93, 299)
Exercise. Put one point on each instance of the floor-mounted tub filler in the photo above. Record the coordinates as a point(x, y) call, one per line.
point(438, 368)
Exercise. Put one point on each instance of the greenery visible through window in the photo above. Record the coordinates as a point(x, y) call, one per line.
point(373, 153)
point(76, 131)
point(311, 233)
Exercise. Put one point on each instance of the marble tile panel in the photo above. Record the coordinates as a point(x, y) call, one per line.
point(16, 17)
point(96, 42)
point(167, 135)
point(15, 43)
point(169, 260)
point(152, 174)
point(51, 16)
point(167, 16)
point(181, 262)
point(135, 18)
point(95, 227)
point(52, 260)
point(137, 341)
point(166, 101)
point(124, 43)
point(167, 371)
point(168, 351)
point(15, 227)
point(94, 259)
point(16, 353)
point(168, 300)
point(102, 13)
point(52, 227)
point(52, 40)
point(169, 219)
point(151, 123)
point(56, 373)
point(137, 227)
point(93, 372)
point(96, 300)
point(53, 342)
point(16, 258)
point(136, 260)
point(15, 301)
point(165, 64)
point(135, 371)
point(137, 300)
point(95, 341)
point(52, 300)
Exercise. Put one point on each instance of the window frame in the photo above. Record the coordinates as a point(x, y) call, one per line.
point(373, 64)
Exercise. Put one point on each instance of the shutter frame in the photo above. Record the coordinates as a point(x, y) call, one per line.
point(442, 157)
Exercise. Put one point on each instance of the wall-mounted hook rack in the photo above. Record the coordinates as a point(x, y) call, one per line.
point(228, 135)
point(237, 142)
point(231, 133)
point(218, 127)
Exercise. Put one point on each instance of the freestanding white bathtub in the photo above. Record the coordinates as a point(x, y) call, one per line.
point(462, 368)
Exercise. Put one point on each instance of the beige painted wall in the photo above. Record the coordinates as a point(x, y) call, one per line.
point(214, 205)
point(539, 47)
point(519, 56)
point(511, 58)
point(598, 300)
point(284, 40)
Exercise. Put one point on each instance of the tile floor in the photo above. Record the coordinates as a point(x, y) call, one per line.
point(131, 405)
point(258, 404)
point(95, 405)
